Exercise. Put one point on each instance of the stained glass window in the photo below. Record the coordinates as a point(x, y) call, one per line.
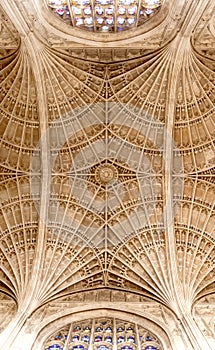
point(103, 334)
point(54, 347)
point(57, 340)
point(105, 15)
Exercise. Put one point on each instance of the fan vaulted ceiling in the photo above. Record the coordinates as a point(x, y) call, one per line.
point(107, 156)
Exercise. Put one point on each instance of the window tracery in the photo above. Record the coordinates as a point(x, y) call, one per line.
point(103, 334)
point(105, 15)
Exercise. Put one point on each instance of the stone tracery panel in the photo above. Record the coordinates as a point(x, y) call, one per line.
point(7, 310)
point(9, 37)
point(203, 38)
point(204, 315)
point(195, 115)
point(194, 236)
point(19, 113)
point(83, 249)
point(18, 233)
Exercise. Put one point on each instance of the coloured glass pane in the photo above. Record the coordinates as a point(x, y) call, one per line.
point(105, 15)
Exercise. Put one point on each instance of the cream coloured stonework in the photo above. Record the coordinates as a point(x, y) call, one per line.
point(107, 182)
